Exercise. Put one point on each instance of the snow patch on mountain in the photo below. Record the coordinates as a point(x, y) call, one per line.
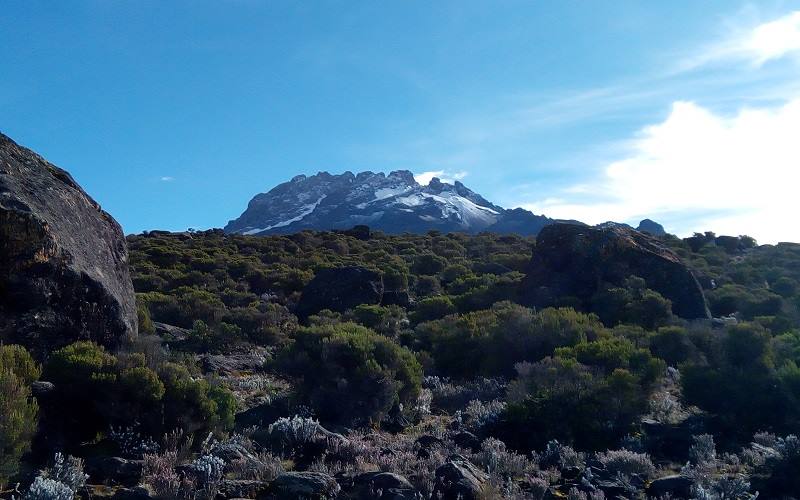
point(305, 210)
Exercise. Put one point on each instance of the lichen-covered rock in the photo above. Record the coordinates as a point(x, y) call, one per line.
point(339, 289)
point(575, 260)
point(63, 260)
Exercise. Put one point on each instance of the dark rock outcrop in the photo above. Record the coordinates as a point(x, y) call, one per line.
point(459, 479)
point(242, 488)
point(384, 486)
point(252, 360)
point(114, 470)
point(676, 486)
point(63, 260)
point(572, 260)
point(651, 227)
point(340, 289)
point(310, 485)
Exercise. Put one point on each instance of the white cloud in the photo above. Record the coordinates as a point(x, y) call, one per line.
point(757, 45)
point(735, 174)
point(425, 178)
point(167, 178)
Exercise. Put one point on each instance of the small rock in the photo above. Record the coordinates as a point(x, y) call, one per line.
point(171, 333)
point(40, 388)
point(677, 486)
point(428, 441)
point(468, 440)
point(308, 485)
point(384, 486)
point(459, 479)
point(227, 364)
point(140, 492)
point(230, 452)
point(241, 488)
point(115, 470)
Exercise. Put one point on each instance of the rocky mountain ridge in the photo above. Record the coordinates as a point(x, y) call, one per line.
point(393, 203)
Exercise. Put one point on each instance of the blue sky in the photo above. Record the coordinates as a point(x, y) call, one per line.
point(174, 114)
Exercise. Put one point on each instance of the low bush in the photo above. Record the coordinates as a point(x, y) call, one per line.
point(107, 391)
point(18, 410)
point(349, 373)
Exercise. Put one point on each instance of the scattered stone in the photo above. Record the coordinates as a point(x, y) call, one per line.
point(232, 451)
point(114, 470)
point(384, 486)
point(468, 440)
point(140, 492)
point(241, 488)
point(427, 441)
point(171, 333)
point(672, 440)
point(228, 364)
point(41, 388)
point(307, 485)
point(677, 486)
point(459, 479)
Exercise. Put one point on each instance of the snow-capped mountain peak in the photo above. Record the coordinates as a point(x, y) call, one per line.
point(392, 203)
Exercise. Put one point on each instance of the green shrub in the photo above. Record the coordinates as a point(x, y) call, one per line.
point(749, 394)
point(18, 410)
point(432, 308)
point(672, 344)
point(562, 399)
point(428, 264)
point(490, 342)
point(146, 326)
point(386, 320)
point(194, 404)
point(613, 353)
point(632, 303)
point(105, 391)
point(348, 373)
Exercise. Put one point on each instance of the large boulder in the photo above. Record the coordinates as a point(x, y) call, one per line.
point(63, 260)
point(339, 289)
point(575, 260)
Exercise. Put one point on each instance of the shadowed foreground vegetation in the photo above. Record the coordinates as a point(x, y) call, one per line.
point(449, 372)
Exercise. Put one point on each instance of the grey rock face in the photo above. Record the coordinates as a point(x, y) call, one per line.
point(393, 203)
point(63, 260)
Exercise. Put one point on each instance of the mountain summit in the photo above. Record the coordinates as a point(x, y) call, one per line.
point(393, 203)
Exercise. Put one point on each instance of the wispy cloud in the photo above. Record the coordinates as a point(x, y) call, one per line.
point(733, 174)
point(167, 178)
point(425, 178)
point(754, 45)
